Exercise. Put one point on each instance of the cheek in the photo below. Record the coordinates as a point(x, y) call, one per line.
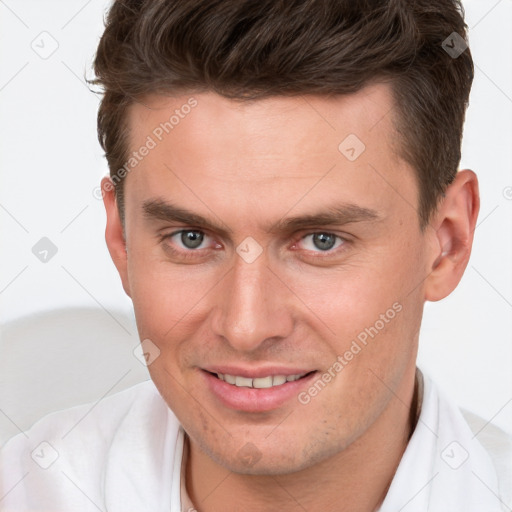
point(369, 313)
point(355, 296)
point(165, 296)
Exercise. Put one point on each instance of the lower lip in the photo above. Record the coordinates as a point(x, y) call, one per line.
point(253, 399)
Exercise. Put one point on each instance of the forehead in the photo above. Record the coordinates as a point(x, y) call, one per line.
point(306, 118)
point(235, 154)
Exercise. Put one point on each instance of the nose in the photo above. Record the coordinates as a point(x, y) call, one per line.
point(253, 306)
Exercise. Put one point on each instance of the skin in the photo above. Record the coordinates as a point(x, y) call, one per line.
point(244, 167)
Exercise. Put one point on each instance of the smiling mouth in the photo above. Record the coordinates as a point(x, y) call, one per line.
point(270, 381)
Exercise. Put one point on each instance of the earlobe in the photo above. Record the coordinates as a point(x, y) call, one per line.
point(114, 234)
point(453, 226)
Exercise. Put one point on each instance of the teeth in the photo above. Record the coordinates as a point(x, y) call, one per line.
point(243, 382)
point(259, 382)
point(277, 380)
point(230, 379)
point(262, 382)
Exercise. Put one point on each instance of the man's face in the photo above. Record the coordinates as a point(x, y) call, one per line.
point(300, 254)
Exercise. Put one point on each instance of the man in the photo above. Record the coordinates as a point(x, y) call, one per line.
point(283, 198)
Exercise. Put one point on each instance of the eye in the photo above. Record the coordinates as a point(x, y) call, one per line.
point(321, 242)
point(188, 238)
point(190, 246)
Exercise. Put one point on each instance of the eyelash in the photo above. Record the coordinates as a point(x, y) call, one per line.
point(191, 254)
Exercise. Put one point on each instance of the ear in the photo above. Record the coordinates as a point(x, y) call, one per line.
point(453, 226)
point(114, 235)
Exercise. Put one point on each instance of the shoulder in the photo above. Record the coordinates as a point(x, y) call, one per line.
point(105, 416)
point(483, 450)
point(498, 444)
point(75, 448)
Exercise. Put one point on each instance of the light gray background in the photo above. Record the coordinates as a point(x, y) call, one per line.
point(51, 164)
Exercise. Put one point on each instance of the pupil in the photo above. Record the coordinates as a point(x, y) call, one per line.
point(324, 241)
point(192, 239)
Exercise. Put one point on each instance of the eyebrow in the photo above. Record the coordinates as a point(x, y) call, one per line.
point(335, 215)
point(158, 209)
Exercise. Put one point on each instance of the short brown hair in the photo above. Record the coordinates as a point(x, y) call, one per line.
point(252, 49)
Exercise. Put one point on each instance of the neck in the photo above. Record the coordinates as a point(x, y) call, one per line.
point(356, 479)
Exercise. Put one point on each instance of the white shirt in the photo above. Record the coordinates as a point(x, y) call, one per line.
point(124, 454)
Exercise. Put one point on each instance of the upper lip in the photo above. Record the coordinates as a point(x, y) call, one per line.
point(254, 373)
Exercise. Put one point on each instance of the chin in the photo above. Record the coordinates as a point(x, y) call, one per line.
point(270, 461)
